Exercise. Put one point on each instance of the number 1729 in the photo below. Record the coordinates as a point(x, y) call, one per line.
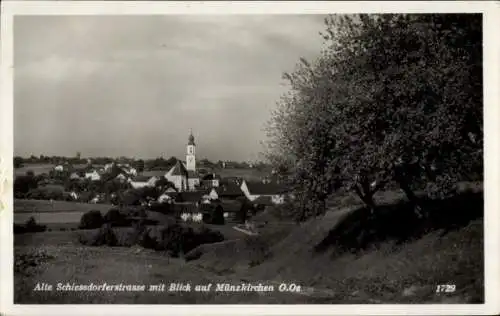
point(445, 288)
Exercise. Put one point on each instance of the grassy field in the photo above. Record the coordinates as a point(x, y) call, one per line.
point(36, 168)
point(389, 274)
point(247, 174)
point(30, 206)
point(344, 257)
point(56, 214)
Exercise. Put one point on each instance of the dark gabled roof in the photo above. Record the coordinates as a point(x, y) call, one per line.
point(263, 200)
point(230, 206)
point(233, 179)
point(211, 176)
point(52, 187)
point(154, 173)
point(141, 178)
point(179, 169)
point(170, 190)
point(230, 189)
point(270, 188)
point(194, 196)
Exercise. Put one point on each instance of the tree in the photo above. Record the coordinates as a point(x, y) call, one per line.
point(392, 98)
point(163, 184)
point(91, 219)
point(18, 162)
point(23, 184)
point(139, 165)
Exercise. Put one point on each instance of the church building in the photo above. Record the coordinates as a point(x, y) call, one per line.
point(184, 176)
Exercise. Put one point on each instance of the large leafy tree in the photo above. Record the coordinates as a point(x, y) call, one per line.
point(391, 98)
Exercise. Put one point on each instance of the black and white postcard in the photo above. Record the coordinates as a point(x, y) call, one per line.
point(244, 158)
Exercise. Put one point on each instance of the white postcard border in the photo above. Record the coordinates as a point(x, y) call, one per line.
point(491, 14)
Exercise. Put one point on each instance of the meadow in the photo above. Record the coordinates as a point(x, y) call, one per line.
point(342, 257)
point(54, 214)
point(250, 174)
point(37, 169)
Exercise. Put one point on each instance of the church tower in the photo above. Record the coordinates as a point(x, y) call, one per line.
point(190, 155)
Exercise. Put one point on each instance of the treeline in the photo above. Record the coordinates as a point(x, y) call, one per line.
point(393, 100)
point(149, 164)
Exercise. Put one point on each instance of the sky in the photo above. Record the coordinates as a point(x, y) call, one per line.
point(135, 85)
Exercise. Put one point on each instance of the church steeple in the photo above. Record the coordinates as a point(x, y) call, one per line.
point(191, 138)
point(190, 155)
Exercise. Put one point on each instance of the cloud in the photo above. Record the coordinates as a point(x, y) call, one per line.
point(60, 68)
point(134, 85)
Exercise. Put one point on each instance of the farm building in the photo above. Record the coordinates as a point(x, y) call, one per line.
point(211, 180)
point(231, 180)
point(254, 190)
point(59, 168)
point(93, 175)
point(213, 194)
point(143, 181)
point(77, 175)
point(154, 173)
point(230, 191)
point(193, 180)
point(122, 177)
point(193, 197)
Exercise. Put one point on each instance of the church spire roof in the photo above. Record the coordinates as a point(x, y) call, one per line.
point(191, 138)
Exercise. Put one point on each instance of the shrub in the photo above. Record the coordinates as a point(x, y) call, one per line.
point(91, 220)
point(104, 236)
point(207, 236)
point(24, 261)
point(171, 239)
point(146, 241)
point(32, 226)
point(218, 216)
point(19, 229)
point(115, 218)
point(178, 239)
point(29, 227)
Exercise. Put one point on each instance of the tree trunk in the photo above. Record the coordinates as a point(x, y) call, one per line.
point(366, 197)
point(405, 187)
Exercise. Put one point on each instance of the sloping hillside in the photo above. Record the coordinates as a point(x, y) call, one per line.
point(349, 255)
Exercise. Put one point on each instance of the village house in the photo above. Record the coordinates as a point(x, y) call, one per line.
point(143, 181)
point(122, 177)
point(273, 190)
point(229, 191)
point(109, 166)
point(211, 195)
point(93, 175)
point(187, 205)
point(168, 196)
point(77, 175)
point(211, 180)
point(59, 168)
point(128, 169)
point(74, 195)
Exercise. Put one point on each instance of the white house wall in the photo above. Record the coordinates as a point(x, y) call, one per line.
point(139, 185)
point(213, 194)
point(245, 190)
point(177, 181)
